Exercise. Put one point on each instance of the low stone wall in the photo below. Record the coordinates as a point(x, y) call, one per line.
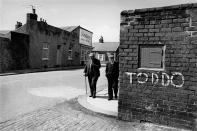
point(5, 55)
point(14, 52)
point(19, 47)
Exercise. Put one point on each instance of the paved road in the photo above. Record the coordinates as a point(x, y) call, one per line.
point(24, 93)
point(70, 116)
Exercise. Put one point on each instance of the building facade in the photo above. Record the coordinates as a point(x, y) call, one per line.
point(41, 45)
point(158, 65)
point(50, 46)
point(84, 37)
point(103, 49)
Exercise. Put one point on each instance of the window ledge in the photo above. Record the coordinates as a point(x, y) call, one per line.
point(45, 58)
point(153, 69)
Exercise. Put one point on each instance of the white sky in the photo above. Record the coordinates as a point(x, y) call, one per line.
point(102, 17)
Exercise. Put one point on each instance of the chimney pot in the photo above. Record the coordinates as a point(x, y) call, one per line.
point(101, 40)
point(34, 11)
point(18, 24)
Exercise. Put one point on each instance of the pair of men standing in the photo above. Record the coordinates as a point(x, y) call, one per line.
point(112, 72)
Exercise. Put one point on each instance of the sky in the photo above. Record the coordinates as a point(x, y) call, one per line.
point(102, 17)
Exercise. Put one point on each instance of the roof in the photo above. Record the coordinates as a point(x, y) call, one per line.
point(69, 28)
point(106, 46)
point(4, 31)
point(3, 35)
point(21, 29)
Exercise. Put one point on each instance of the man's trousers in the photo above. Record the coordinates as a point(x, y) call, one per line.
point(92, 82)
point(112, 87)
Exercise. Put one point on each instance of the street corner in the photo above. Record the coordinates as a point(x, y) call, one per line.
point(100, 104)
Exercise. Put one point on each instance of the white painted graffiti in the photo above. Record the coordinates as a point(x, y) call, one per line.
point(166, 79)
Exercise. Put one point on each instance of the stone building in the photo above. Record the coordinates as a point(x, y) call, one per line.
point(84, 38)
point(102, 49)
point(48, 46)
point(158, 65)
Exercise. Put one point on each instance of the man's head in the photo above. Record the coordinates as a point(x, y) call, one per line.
point(91, 55)
point(111, 57)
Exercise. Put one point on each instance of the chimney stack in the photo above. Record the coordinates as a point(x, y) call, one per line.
point(101, 40)
point(18, 24)
point(32, 16)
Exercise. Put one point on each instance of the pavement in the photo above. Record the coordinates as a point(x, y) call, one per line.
point(100, 104)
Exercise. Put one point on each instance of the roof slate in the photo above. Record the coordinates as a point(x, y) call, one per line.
point(69, 28)
point(3, 35)
point(106, 46)
point(4, 31)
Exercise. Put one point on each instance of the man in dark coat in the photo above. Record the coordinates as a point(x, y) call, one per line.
point(112, 74)
point(92, 72)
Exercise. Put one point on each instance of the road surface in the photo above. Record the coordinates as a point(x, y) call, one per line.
point(23, 93)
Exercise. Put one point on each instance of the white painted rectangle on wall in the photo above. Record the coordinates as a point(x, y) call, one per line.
point(85, 37)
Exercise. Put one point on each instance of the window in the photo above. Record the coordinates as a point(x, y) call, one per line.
point(82, 55)
point(70, 55)
point(45, 51)
point(101, 57)
point(151, 57)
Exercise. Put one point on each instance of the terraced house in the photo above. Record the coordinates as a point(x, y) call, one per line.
point(47, 46)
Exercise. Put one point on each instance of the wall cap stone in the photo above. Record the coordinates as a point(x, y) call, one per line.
point(172, 7)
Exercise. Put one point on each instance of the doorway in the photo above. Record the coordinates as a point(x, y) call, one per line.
point(59, 56)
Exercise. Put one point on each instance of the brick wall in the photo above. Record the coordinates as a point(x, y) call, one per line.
point(173, 27)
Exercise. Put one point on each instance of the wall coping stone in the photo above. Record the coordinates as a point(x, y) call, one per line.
point(172, 7)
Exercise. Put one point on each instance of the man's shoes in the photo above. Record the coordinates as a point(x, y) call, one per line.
point(110, 99)
point(94, 97)
point(90, 96)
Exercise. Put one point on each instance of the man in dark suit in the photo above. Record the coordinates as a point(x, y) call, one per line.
point(112, 74)
point(92, 72)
